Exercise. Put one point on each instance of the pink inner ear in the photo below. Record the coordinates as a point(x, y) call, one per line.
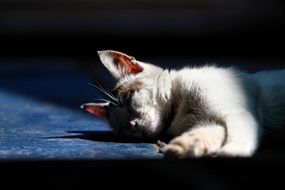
point(128, 63)
point(96, 110)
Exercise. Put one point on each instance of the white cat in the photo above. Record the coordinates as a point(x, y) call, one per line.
point(208, 110)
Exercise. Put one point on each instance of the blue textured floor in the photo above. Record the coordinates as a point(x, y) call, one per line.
point(40, 119)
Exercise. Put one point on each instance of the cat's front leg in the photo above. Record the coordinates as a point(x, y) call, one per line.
point(200, 141)
point(238, 138)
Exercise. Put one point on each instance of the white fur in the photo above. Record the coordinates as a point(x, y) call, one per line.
point(247, 102)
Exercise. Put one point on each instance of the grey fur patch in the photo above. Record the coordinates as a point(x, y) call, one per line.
point(190, 109)
point(125, 91)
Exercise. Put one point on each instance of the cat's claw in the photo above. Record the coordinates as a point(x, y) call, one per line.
point(160, 145)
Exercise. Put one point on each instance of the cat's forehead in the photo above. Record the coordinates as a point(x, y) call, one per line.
point(127, 87)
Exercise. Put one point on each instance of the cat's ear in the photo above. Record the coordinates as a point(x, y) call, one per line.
point(119, 64)
point(98, 109)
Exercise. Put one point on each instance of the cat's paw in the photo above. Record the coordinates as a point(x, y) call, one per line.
point(186, 146)
point(191, 144)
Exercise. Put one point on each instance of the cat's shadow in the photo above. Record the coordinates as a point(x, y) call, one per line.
point(106, 136)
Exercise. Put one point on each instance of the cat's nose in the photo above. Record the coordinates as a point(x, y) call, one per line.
point(133, 124)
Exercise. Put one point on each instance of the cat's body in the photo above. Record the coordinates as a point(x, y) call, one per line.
point(207, 110)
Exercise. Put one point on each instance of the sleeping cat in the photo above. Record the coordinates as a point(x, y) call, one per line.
point(207, 110)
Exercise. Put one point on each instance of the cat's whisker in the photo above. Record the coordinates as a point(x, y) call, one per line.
point(105, 101)
point(107, 90)
point(106, 93)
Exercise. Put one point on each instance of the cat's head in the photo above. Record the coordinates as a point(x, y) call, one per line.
point(140, 95)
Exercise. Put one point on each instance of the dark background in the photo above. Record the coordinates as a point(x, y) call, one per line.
point(48, 52)
point(51, 36)
point(252, 28)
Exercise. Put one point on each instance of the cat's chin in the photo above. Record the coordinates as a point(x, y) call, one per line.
point(148, 131)
point(152, 129)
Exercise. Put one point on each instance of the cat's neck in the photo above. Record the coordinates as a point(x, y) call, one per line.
point(170, 95)
point(170, 87)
